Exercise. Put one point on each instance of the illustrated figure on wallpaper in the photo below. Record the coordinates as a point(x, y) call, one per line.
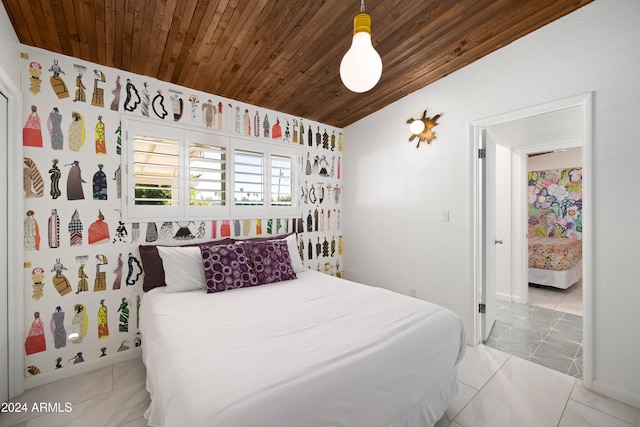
point(166, 230)
point(101, 145)
point(99, 231)
point(118, 133)
point(301, 249)
point(32, 182)
point(137, 341)
point(184, 233)
point(158, 105)
point(77, 358)
point(256, 125)
point(97, 99)
point(32, 370)
point(318, 137)
point(324, 164)
point(265, 126)
point(325, 140)
point(310, 137)
point(287, 133)
point(220, 115)
point(325, 248)
point(54, 229)
point(57, 328)
point(246, 123)
point(201, 231)
point(333, 162)
point(54, 126)
point(117, 177)
point(100, 184)
point(301, 133)
point(208, 113)
point(246, 227)
point(123, 326)
point(336, 194)
point(133, 98)
point(100, 283)
point(333, 141)
point(307, 169)
point(118, 272)
point(60, 282)
point(74, 182)
point(80, 87)
point(35, 70)
point(115, 103)
point(37, 277)
point(151, 235)
point(103, 325)
point(276, 130)
point(124, 346)
point(309, 250)
point(58, 85)
point(225, 228)
point(315, 168)
point(318, 247)
point(237, 121)
point(194, 100)
point(83, 283)
point(103, 352)
point(135, 270)
point(146, 100)
point(138, 300)
point(75, 230)
point(177, 106)
point(32, 132)
point(76, 132)
point(58, 362)
point(31, 232)
point(258, 227)
point(35, 342)
point(79, 324)
point(121, 232)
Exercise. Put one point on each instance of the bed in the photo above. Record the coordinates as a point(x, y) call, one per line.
point(312, 351)
point(555, 261)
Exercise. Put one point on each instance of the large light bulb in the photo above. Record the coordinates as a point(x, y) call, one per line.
point(361, 66)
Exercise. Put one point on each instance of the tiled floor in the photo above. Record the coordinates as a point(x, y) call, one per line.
point(566, 300)
point(495, 389)
point(548, 337)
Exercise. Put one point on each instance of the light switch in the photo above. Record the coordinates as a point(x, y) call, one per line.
point(445, 215)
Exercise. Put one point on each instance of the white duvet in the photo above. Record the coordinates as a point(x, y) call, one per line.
point(315, 351)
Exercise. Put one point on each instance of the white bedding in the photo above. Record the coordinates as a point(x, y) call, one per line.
point(315, 351)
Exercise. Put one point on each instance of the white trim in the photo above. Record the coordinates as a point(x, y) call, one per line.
point(15, 258)
point(81, 368)
point(585, 101)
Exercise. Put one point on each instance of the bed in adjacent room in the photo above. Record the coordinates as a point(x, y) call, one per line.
point(313, 350)
point(555, 261)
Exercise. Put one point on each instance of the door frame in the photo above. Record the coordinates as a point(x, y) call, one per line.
point(15, 256)
point(585, 101)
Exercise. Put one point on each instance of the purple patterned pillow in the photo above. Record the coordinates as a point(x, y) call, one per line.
point(227, 267)
point(270, 260)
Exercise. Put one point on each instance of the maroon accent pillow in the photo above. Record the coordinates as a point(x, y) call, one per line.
point(227, 267)
point(152, 263)
point(271, 261)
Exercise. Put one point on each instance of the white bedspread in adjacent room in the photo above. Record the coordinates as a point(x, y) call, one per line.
point(315, 351)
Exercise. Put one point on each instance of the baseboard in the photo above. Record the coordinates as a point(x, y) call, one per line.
point(503, 297)
point(81, 368)
point(615, 393)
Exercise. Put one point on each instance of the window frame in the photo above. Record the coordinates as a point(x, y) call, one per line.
point(184, 211)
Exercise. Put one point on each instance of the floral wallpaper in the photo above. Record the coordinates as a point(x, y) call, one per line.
point(555, 203)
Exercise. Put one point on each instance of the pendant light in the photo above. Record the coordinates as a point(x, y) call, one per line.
point(361, 66)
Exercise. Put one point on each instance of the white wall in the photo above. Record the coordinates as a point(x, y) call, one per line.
point(10, 51)
point(395, 192)
point(571, 158)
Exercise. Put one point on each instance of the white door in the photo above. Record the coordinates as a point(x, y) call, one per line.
point(488, 240)
point(4, 268)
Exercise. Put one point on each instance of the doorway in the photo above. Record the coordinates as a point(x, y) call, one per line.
point(541, 121)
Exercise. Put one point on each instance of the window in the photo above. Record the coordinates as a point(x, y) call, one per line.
point(179, 173)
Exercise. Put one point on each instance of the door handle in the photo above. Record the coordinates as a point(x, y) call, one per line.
point(498, 242)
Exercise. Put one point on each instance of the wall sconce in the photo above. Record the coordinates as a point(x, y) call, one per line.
point(422, 128)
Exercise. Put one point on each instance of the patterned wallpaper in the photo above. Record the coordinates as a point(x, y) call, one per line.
point(555, 203)
point(82, 271)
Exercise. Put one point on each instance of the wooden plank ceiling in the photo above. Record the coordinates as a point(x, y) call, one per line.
point(281, 54)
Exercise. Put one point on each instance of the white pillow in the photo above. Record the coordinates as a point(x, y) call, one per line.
point(296, 262)
point(183, 270)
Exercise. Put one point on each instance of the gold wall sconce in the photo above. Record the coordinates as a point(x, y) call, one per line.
point(422, 128)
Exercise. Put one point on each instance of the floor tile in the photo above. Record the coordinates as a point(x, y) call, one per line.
point(479, 364)
point(604, 404)
point(520, 394)
point(578, 415)
point(128, 372)
point(464, 396)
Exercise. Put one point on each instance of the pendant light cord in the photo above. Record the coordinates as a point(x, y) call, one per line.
point(361, 6)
